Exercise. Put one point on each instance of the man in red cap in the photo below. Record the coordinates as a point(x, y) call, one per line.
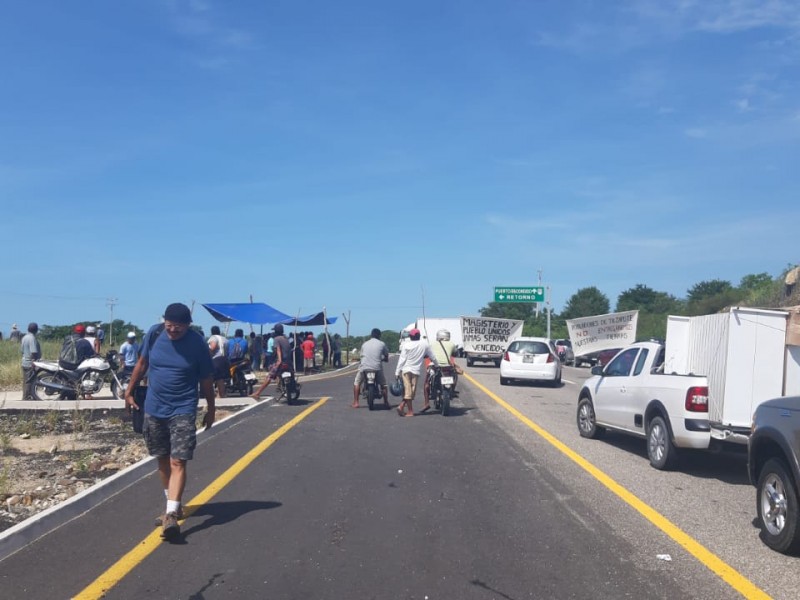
point(74, 351)
point(409, 365)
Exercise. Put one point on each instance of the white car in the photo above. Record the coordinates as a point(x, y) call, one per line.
point(530, 359)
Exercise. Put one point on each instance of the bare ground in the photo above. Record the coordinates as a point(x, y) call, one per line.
point(47, 457)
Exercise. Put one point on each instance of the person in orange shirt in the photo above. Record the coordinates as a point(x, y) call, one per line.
point(308, 347)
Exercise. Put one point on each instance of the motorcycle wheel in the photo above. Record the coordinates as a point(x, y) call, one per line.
point(250, 387)
point(40, 392)
point(289, 390)
point(445, 402)
point(119, 394)
point(370, 397)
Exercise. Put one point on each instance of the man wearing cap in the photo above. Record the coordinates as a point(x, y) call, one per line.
point(129, 351)
point(177, 361)
point(31, 351)
point(16, 334)
point(410, 363)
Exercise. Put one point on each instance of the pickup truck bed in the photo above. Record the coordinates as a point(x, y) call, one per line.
point(631, 394)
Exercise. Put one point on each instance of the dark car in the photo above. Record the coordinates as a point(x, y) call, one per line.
point(604, 356)
point(772, 462)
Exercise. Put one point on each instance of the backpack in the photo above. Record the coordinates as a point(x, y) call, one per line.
point(236, 351)
point(68, 357)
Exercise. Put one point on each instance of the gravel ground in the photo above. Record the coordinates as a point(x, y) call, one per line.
point(47, 457)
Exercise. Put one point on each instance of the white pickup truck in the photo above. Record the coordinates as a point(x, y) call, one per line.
point(632, 394)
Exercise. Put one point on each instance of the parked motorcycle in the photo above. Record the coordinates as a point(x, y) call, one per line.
point(442, 387)
point(88, 379)
point(370, 390)
point(242, 379)
point(287, 385)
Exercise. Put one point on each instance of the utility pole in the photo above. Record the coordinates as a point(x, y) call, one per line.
point(346, 318)
point(111, 302)
point(540, 285)
point(549, 311)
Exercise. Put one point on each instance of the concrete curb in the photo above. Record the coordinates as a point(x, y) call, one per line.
point(20, 535)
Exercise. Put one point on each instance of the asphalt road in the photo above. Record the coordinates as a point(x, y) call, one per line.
point(353, 503)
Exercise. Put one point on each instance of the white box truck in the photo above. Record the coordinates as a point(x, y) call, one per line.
point(428, 326)
point(745, 354)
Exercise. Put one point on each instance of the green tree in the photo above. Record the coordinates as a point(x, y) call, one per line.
point(647, 300)
point(585, 303)
point(755, 282)
point(508, 310)
point(708, 297)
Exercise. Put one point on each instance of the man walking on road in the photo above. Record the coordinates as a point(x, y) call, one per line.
point(177, 361)
point(412, 358)
point(31, 351)
point(373, 353)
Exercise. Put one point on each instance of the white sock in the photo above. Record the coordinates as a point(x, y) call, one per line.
point(173, 505)
point(166, 494)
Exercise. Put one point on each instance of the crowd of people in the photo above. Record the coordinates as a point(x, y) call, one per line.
point(180, 365)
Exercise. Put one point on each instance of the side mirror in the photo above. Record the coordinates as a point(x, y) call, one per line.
point(597, 370)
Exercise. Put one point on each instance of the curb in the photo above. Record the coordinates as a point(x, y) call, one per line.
point(31, 529)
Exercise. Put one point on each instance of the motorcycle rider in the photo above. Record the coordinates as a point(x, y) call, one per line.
point(91, 337)
point(373, 353)
point(216, 345)
point(282, 361)
point(237, 347)
point(82, 346)
point(83, 350)
point(444, 350)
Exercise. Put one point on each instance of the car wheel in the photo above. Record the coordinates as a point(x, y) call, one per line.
point(776, 504)
point(503, 380)
point(557, 381)
point(660, 449)
point(587, 426)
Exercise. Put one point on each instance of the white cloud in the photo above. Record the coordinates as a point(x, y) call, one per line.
point(697, 133)
point(742, 105)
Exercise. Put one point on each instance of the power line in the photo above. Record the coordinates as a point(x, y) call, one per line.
point(14, 293)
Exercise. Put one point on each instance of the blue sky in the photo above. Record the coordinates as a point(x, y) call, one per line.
point(352, 154)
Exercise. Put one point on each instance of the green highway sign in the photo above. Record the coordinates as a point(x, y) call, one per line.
point(519, 294)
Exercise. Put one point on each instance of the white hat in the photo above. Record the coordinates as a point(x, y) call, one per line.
point(131, 334)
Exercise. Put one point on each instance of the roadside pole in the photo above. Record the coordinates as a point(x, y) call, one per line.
point(347, 336)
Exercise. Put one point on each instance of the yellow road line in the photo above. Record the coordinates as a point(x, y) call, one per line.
point(126, 564)
point(710, 560)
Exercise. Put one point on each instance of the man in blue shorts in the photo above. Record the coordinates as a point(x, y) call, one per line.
point(176, 360)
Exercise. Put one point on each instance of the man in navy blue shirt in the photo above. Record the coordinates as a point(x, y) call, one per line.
point(176, 361)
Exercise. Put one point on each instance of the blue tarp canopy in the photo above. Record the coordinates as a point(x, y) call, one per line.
point(261, 314)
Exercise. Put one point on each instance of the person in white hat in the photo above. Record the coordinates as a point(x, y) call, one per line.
point(129, 351)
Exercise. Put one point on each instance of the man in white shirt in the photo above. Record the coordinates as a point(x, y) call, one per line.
point(410, 364)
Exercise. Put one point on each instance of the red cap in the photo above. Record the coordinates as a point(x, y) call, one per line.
point(310, 336)
point(414, 333)
point(79, 328)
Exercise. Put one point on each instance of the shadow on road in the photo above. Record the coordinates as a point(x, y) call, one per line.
point(728, 467)
point(219, 513)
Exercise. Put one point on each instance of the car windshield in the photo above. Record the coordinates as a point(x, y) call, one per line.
point(528, 347)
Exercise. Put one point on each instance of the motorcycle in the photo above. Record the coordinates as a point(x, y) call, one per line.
point(50, 379)
point(242, 379)
point(442, 386)
point(287, 385)
point(370, 388)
